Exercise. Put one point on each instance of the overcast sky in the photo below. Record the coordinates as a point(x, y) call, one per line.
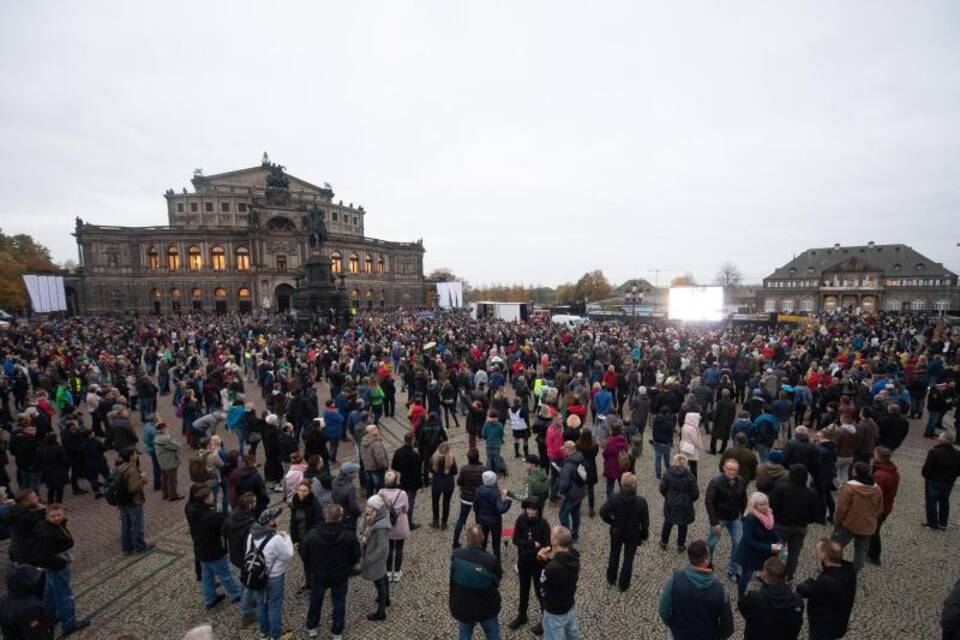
point(523, 141)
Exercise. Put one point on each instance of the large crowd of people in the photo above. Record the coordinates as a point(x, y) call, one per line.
point(806, 420)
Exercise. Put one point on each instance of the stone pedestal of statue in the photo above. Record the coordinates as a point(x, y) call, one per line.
point(318, 304)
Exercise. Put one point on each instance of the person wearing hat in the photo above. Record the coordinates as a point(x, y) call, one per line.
point(344, 493)
point(372, 529)
point(277, 554)
point(531, 532)
point(489, 504)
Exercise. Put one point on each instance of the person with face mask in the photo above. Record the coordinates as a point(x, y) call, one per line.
point(531, 532)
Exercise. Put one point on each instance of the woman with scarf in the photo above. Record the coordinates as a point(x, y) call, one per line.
point(759, 542)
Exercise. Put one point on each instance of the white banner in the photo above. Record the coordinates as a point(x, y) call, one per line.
point(450, 295)
point(46, 293)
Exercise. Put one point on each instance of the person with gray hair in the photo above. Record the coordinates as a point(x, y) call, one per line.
point(940, 472)
point(489, 504)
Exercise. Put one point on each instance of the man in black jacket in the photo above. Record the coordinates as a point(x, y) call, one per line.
point(206, 527)
point(475, 587)
point(799, 450)
point(796, 506)
point(53, 551)
point(559, 584)
point(406, 462)
point(726, 500)
point(775, 611)
point(940, 470)
point(235, 530)
point(22, 614)
point(531, 532)
point(331, 551)
point(248, 480)
point(893, 428)
point(830, 594)
point(629, 521)
point(24, 516)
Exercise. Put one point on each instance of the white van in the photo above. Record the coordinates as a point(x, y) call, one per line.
point(568, 321)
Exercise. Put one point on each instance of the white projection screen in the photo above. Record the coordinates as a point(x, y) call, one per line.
point(450, 295)
point(696, 304)
point(46, 293)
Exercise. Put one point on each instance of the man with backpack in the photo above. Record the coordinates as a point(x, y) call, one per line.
point(572, 488)
point(126, 489)
point(269, 552)
point(236, 529)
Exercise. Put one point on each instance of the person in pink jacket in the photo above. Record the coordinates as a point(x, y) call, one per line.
point(616, 444)
point(396, 497)
point(691, 445)
point(554, 441)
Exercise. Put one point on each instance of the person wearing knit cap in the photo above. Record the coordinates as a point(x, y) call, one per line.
point(489, 504)
point(372, 529)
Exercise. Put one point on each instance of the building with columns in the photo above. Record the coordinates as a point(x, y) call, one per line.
point(237, 242)
point(891, 277)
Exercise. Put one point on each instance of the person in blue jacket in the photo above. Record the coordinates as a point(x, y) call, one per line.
point(693, 604)
point(759, 541)
point(489, 504)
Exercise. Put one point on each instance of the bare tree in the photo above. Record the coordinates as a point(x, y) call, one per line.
point(729, 275)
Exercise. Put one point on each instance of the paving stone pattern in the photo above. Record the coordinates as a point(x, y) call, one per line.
point(156, 596)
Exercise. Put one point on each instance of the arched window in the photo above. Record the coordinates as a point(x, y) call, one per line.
point(153, 258)
point(786, 305)
point(173, 258)
point(918, 305)
point(354, 263)
point(942, 305)
point(770, 305)
point(368, 265)
point(194, 258)
point(281, 224)
point(243, 259)
point(197, 293)
point(243, 293)
point(807, 304)
point(218, 261)
point(220, 293)
point(380, 266)
point(336, 262)
point(893, 304)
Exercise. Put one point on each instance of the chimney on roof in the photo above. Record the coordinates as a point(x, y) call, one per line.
point(870, 243)
point(836, 246)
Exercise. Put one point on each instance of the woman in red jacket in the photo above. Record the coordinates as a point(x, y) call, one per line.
point(887, 477)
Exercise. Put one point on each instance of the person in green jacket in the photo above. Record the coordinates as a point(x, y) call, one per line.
point(376, 400)
point(492, 434)
point(537, 484)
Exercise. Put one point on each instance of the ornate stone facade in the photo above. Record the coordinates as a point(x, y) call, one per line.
point(871, 277)
point(237, 242)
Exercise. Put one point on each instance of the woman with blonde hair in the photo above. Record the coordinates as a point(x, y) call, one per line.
point(394, 496)
point(679, 490)
point(443, 468)
point(759, 542)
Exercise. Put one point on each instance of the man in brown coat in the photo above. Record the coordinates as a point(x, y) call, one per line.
point(375, 459)
point(859, 505)
point(131, 499)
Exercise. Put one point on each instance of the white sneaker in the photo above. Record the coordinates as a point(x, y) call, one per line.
point(397, 575)
point(312, 633)
point(389, 576)
point(337, 637)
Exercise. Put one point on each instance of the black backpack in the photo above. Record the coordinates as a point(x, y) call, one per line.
point(254, 572)
point(115, 490)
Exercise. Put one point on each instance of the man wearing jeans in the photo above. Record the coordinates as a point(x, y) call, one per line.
point(330, 551)
point(572, 488)
point(277, 554)
point(475, 588)
point(206, 526)
point(726, 500)
point(940, 471)
point(662, 432)
point(53, 551)
point(859, 505)
point(559, 582)
point(131, 503)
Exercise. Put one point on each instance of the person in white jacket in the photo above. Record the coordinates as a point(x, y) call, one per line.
point(691, 445)
point(277, 555)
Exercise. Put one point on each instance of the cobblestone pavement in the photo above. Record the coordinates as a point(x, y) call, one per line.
point(156, 596)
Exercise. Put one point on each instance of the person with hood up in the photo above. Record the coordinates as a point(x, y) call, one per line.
point(796, 506)
point(531, 532)
point(489, 504)
point(475, 588)
point(277, 554)
point(759, 540)
point(774, 611)
point(887, 477)
point(235, 530)
point(693, 604)
point(629, 520)
point(859, 505)
point(206, 525)
point(561, 572)
point(372, 529)
point(831, 594)
point(344, 493)
point(691, 444)
point(330, 550)
point(572, 488)
point(22, 612)
point(679, 490)
point(771, 473)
